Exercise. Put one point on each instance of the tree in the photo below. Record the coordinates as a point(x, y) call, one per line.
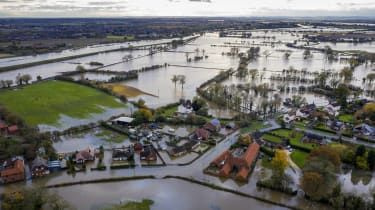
point(280, 162)
point(142, 116)
point(347, 74)
point(312, 184)
point(80, 68)
point(371, 159)
point(307, 54)
point(361, 163)
point(19, 80)
point(361, 150)
point(9, 83)
point(319, 173)
point(26, 78)
point(175, 80)
point(182, 80)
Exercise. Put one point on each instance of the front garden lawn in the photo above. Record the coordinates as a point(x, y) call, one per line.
point(299, 157)
point(271, 138)
point(254, 126)
point(44, 102)
point(294, 137)
point(347, 118)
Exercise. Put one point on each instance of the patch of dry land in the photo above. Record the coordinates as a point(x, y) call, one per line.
point(124, 90)
point(6, 55)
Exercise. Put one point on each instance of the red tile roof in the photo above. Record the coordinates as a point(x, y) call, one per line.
point(18, 168)
point(251, 153)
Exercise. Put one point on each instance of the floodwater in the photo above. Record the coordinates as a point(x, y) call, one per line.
point(66, 122)
point(81, 141)
point(166, 194)
point(71, 52)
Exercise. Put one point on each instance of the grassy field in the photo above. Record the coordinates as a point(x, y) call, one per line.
point(299, 157)
point(347, 118)
point(295, 139)
point(124, 90)
point(270, 138)
point(254, 126)
point(43, 103)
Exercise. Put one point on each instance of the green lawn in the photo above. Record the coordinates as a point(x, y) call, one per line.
point(348, 118)
point(255, 125)
point(295, 139)
point(271, 138)
point(42, 103)
point(299, 157)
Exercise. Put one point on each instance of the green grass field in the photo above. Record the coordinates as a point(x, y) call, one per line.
point(347, 118)
point(254, 126)
point(43, 103)
point(270, 138)
point(295, 139)
point(299, 157)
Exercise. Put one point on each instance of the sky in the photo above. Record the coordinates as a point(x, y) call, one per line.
point(125, 8)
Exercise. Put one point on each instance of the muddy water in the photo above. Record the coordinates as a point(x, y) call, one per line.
point(72, 52)
point(167, 194)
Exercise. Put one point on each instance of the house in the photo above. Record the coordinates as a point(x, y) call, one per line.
point(148, 153)
point(365, 129)
point(12, 129)
point(313, 138)
point(39, 167)
point(289, 117)
point(125, 121)
point(236, 162)
point(123, 154)
point(85, 155)
point(12, 170)
point(335, 125)
point(183, 110)
point(202, 134)
point(332, 110)
point(176, 151)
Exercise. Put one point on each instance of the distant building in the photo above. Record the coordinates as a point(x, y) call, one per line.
point(123, 121)
point(12, 170)
point(365, 129)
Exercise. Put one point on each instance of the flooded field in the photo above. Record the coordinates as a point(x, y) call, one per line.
point(166, 194)
point(93, 138)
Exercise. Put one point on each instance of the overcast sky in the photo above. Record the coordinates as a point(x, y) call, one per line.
point(122, 8)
